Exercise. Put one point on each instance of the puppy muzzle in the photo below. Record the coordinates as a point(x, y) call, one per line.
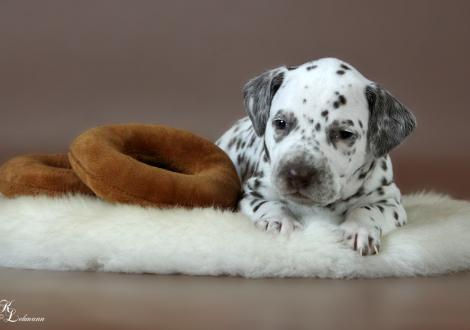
point(305, 181)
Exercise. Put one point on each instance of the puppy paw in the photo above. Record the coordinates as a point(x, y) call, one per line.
point(283, 225)
point(362, 238)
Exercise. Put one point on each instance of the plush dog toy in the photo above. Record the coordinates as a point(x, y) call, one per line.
point(149, 165)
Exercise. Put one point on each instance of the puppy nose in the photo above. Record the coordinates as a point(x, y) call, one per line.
point(300, 177)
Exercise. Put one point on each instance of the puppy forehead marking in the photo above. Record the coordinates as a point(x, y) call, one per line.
point(315, 89)
point(317, 83)
point(327, 73)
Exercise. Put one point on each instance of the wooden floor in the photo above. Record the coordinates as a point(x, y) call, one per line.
point(75, 300)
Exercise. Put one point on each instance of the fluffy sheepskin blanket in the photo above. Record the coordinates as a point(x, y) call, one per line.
point(83, 233)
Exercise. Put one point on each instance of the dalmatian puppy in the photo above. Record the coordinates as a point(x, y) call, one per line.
point(317, 136)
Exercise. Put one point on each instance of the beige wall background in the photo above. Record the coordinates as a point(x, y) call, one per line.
point(66, 66)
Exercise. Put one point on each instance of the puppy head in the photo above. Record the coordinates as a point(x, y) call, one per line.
point(321, 122)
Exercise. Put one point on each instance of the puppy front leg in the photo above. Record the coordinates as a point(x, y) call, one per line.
point(268, 215)
point(364, 225)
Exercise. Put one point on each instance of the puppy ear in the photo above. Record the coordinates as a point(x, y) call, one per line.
point(390, 122)
point(258, 94)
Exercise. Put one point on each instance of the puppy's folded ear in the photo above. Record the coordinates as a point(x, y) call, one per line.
point(258, 94)
point(390, 122)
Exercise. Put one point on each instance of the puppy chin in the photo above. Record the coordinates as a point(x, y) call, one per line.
point(317, 199)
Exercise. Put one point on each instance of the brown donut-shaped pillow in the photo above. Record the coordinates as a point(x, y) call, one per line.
point(154, 165)
point(40, 174)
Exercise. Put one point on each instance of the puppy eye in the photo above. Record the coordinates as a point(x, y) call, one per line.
point(280, 124)
point(345, 135)
point(342, 135)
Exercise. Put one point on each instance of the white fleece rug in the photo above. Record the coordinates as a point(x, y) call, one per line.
point(82, 233)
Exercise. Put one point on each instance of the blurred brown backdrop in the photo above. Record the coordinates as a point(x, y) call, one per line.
point(66, 66)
